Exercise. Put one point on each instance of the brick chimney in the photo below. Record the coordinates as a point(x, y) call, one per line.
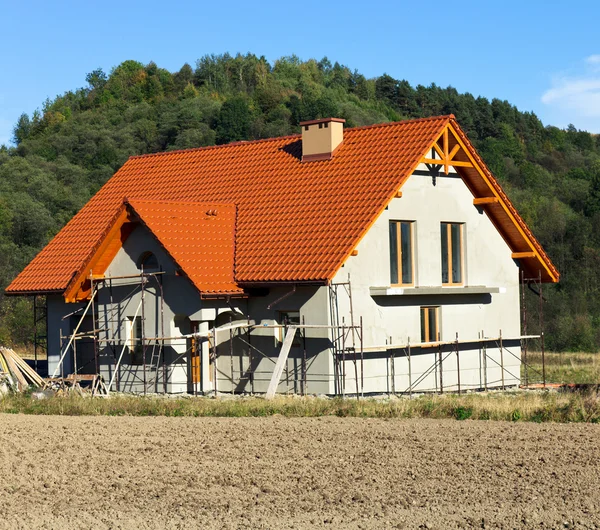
point(321, 138)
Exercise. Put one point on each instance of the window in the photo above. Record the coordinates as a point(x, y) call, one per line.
point(289, 318)
point(401, 253)
point(452, 253)
point(430, 327)
point(134, 337)
point(147, 261)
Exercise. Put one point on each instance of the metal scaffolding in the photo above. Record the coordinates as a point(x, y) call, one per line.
point(242, 372)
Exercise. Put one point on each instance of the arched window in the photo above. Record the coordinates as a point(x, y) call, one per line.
point(147, 261)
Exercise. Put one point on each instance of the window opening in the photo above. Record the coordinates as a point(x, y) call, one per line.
point(401, 253)
point(289, 318)
point(452, 253)
point(135, 341)
point(147, 261)
point(430, 327)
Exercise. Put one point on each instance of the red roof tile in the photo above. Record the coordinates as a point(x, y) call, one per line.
point(295, 221)
point(200, 237)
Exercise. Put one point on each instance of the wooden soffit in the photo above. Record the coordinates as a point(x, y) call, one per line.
point(453, 148)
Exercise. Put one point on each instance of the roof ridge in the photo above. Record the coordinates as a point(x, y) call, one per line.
point(288, 137)
point(208, 147)
point(129, 200)
point(401, 122)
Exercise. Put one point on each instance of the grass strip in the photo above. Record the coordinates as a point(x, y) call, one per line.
point(509, 406)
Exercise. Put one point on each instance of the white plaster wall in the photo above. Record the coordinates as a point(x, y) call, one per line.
point(396, 319)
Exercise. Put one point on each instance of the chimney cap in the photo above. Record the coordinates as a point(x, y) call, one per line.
point(322, 120)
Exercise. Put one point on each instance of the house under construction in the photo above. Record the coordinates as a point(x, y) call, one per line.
point(340, 261)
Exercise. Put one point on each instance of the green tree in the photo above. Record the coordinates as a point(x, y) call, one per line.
point(233, 123)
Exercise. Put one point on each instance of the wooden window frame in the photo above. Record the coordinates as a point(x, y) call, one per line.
point(425, 319)
point(135, 357)
point(449, 256)
point(399, 253)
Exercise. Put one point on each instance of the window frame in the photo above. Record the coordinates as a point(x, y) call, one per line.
point(136, 353)
point(449, 256)
point(424, 312)
point(399, 252)
point(282, 321)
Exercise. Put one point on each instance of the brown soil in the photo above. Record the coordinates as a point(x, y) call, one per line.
point(74, 472)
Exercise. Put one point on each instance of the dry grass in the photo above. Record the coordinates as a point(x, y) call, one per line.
point(582, 368)
point(26, 351)
point(579, 368)
point(509, 406)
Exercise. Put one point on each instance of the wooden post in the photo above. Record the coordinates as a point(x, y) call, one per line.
point(231, 354)
point(94, 328)
point(457, 363)
point(409, 371)
point(502, 360)
point(362, 356)
point(250, 367)
point(303, 357)
point(484, 349)
point(393, 368)
point(542, 330)
point(524, 341)
point(215, 373)
point(281, 361)
point(143, 337)
point(440, 361)
point(343, 357)
point(162, 333)
point(62, 371)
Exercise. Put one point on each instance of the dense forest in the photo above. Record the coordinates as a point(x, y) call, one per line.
point(67, 150)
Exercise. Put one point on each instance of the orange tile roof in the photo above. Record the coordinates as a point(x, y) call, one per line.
point(200, 237)
point(295, 221)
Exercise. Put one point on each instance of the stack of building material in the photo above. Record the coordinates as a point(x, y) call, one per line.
point(17, 372)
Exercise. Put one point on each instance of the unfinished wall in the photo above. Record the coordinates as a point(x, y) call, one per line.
point(246, 360)
point(181, 312)
point(393, 316)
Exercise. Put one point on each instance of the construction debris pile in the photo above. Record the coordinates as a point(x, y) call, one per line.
point(16, 373)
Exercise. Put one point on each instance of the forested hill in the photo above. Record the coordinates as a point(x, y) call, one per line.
point(68, 149)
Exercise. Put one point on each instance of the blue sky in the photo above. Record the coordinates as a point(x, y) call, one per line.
point(543, 56)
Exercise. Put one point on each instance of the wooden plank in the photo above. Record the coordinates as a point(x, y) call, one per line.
point(521, 255)
point(454, 151)
point(281, 361)
point(25, 368)
point(455, 163)
point(15, 372)
point(485, 200)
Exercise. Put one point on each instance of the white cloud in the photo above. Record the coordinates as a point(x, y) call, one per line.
point(577, 97)
point(593, 59)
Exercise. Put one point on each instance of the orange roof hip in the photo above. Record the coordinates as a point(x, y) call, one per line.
point(295, 222)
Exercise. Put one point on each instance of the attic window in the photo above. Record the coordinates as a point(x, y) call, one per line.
point(147, 262)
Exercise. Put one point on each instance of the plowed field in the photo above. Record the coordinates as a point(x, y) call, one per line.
point(108, 472)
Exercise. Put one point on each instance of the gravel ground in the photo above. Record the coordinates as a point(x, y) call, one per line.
point(107, 472)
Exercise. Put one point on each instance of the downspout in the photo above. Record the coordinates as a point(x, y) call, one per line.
point(286, 295)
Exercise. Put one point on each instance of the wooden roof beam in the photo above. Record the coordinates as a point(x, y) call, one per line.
point(455, 163)
point(522, 255)
point(478, 201)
